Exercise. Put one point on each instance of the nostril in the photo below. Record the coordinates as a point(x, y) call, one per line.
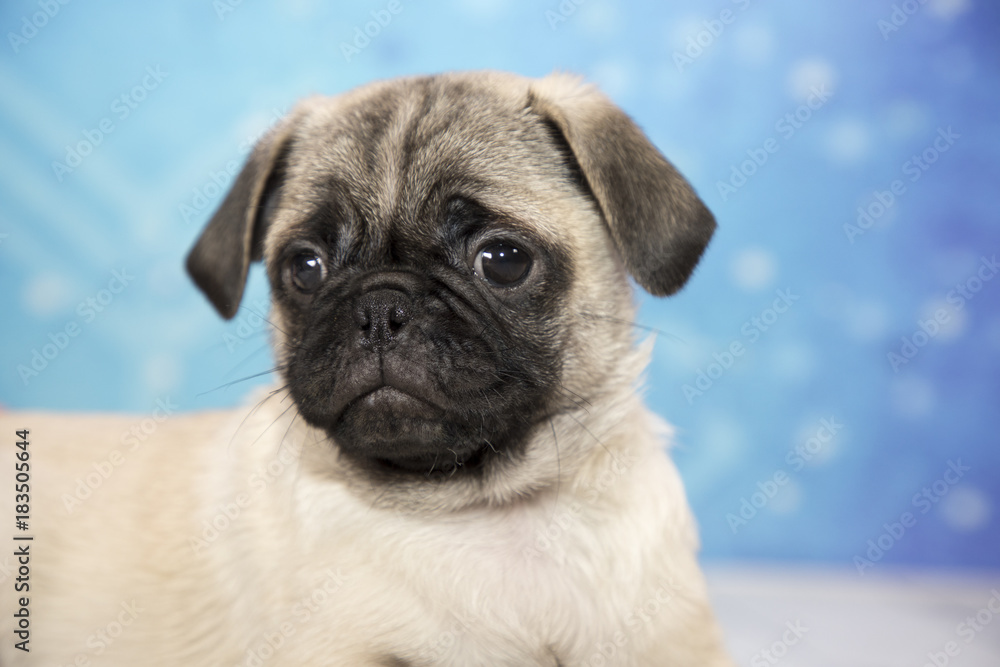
point(398, 317)
point(362, 316)
point(364, 322)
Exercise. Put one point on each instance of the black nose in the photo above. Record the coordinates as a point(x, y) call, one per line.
point(380, 316)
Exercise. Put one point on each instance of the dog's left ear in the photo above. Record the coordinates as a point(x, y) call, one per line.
point(656, 220)
point(220, 259)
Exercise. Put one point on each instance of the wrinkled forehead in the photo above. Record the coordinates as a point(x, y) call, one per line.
point(395, 153)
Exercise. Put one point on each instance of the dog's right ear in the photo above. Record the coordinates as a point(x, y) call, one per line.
point(220, 259)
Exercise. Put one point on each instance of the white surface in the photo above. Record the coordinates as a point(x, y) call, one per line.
point(882, 619)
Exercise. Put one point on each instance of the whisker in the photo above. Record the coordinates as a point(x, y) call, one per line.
point(249, 357)
point(268, 320)
point(635, 324)
point(297, 463)
point(252, 411)
point(377, 498)
point(555, 440)
point(276, 419)
point(598, 440)
point(559, 385)
point(243, 379)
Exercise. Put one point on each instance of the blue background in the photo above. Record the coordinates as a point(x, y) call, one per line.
point(137, 201)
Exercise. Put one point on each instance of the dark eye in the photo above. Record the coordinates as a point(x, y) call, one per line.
point(307, 271)
point(502, 264)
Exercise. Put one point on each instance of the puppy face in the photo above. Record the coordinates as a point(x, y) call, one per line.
point(448, 258)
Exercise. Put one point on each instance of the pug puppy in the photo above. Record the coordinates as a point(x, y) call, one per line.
point(454, 466)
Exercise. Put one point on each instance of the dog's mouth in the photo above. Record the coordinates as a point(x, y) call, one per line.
point(390, 400)
point(439, 464)
point(400, 431)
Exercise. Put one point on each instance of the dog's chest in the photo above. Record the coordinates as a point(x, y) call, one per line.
point(523, 587)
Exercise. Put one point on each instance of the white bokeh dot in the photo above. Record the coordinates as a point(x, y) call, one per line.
point(47, 293)
point(966, 509)
point(162, 374)
point(754, 269)
point(613, 77)
point(724, 439)
point(486, 9)
point(939, 316)
point(808, 76)
point(848, 141)
point(754, 44)
point(151, 231)
point(948, 9)
point(600, 19)
point(300, 9)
